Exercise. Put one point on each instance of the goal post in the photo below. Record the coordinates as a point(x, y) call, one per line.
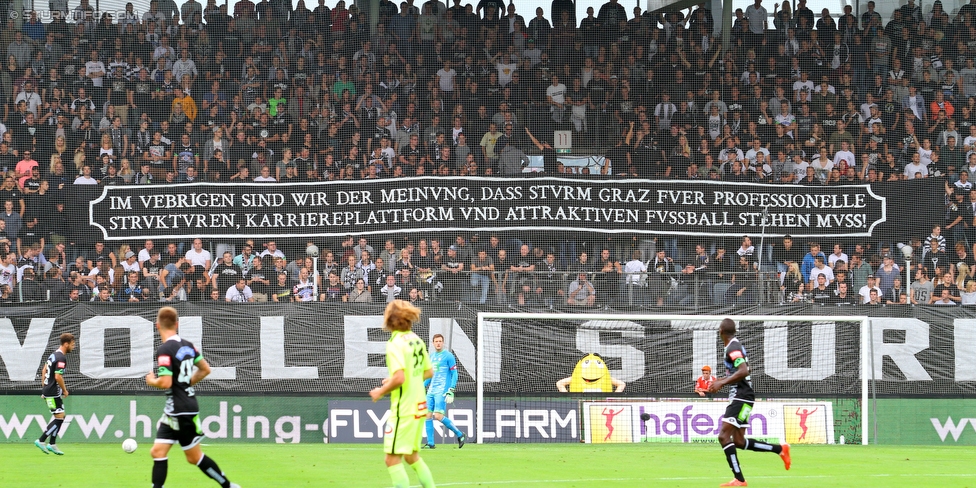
point(522, 358)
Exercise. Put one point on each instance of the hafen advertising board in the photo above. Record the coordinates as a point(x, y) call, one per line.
point(701, 421)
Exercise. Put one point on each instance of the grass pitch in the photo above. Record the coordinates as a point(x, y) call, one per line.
point(506, 466)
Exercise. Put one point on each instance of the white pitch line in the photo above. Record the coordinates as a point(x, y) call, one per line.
point(693, 478)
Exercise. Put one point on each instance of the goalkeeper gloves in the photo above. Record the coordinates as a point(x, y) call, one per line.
point(449, 396)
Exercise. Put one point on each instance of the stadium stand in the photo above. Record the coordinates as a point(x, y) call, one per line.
point(274, 92)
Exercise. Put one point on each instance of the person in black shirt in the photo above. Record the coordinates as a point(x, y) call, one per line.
point(821, 293)
point(180, 366)
point(54, 391)
point(225, 274)
point(741, 399)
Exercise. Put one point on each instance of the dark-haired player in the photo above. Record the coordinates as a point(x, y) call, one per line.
point(741, 399)
point(54, 391)
point(179, 366)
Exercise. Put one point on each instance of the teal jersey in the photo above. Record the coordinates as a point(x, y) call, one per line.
point(445, 372)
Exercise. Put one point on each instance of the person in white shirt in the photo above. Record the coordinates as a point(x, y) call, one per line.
point(820, 268)
point(756, 149)
point(916, 167)
point(271, 249)
point(845, 154)
point(969, 143)
point(837, 255)
point(446, 77)
point(265, 176)
point(390, 290)
point(240, 292)
point(95, 69)
point(130, 263)
point(30, 97)
point(865, 290)
point(146, 252)
point(635, 269)
point(556, 97)
point(184, 66)
point(199, 258)
point(799, 167)
point(803, 88)
point(85, 178)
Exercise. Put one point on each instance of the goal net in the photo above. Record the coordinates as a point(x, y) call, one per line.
point(592, 377)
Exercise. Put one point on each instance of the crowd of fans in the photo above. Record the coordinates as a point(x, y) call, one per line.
point(275, 92)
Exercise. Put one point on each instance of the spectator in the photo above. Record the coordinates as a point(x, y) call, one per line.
point(581, 292)
point(239, 292)
point(704, 382)
point(359, 293)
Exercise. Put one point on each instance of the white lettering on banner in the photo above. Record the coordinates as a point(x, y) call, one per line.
point(964, 342)
point(135, 419)
point(822, 350)
point(220, 419)
point(13, 424)
point(355, 335)
point(950, 427)
point(293, 435)
point(631, 358)
point(356, 432)
point(191, 329)
point(903, 354)
point(507, 418)
point(92, 354)
point(335, 422)
point(22, 360)
point(93, 425)
point(273, 353)
point(704, 347)
point(532, 424)
point(378, 422)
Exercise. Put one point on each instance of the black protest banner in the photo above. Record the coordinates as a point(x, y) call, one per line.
point(501, 204)
point(321, 348)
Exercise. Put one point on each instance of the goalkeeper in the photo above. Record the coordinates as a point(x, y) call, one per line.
point(440, 391)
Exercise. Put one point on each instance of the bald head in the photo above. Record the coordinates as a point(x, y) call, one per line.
point(727, 328)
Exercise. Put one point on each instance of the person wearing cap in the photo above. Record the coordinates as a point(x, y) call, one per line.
point(130, 262)
point(887, 272)
point(704, 382)
point(532, 51)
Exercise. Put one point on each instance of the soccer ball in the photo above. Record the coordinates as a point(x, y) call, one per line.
point(130, 446)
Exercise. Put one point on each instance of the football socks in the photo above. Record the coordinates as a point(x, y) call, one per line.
point(754, 445)
point(423, 472)
point(733, 460)
point(399, 476)
point(210, 468)
point(160, 467)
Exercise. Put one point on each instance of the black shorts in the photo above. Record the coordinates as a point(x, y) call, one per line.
point(184, 429)
point(55, 404)
point(737, 413)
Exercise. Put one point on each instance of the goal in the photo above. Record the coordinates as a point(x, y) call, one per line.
point(560, 377)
